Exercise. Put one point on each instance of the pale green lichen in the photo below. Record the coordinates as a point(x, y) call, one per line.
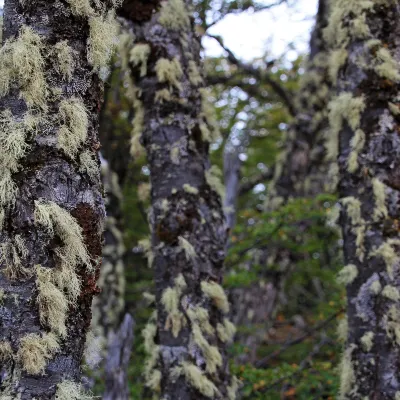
point(348, 274)
point(102, 39)
point(194, 74)
point(391, 293)
point(12, 256)
point(367, 341)
point(387, 66)
point(187, 247)
point(6, 352)
point(190, 189)
point(196, 378)
point(163, 95)
point(81, 7)
point(146, 246)
point(375, 287)
point(139, 55)
point(392, 323)
point(169, 71)
point(387, 252)
point(380, 210)
point(74, 125)
point(233, 388)
point(22, 63)
point(53, 304)
point(214, 179)
point(199, 315)
point(173, 15)
point(209, 125)
point(226, 331)
point(347, 375)
point(144, 190)
point(35, 351)
point(89, 164)
point(343, 329)
point(357, 144)
point(70, 390)
point(216, 293)
point(64, 59)
point(211, 354)
point(170, 300)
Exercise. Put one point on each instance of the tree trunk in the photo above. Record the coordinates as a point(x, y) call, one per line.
point(50, 194)
point(364, 121)
point(187, 335)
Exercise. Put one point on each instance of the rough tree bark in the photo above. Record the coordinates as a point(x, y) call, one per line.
point(187, 334)
point(51, 205)
point(364, 119)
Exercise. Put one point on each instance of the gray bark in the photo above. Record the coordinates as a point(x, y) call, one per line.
point(187, 222)
point(46, 172)
point(119, 352)
point(365, 118)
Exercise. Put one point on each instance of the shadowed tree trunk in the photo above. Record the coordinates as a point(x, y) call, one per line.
point(51, 206)
point(364, 118)
point(187, 334)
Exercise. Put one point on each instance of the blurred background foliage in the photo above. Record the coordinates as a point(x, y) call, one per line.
point(295, 354)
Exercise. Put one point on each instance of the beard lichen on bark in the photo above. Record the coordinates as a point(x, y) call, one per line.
point(175, 125)
point(51, 215)
point(364, 38)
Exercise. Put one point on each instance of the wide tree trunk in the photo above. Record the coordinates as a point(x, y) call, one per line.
point(187, 335)
point(51, 204)
point(364, 121)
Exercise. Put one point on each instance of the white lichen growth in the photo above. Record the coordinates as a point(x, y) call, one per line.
point(209, 125)
point(380, 210)
point(12, 256)
point(200, 316)
point(367, 341)
point(391, 293)
point(347, 375)
point(387, 66)
point(187, 247)
point(22, 63)
point(81, 7)
point(74, 125)
point(343, 329)
point(190, 189)
point(357, 144)
point(196, 378)
point(173, 15)
point(53, 304)
point(70, 390)
point(170, 299)
point(387, 252)
point(35, 351)
point(348, 274)
point(102, 40)
point(89, 164)
point(139, 55)
point(169, 71)
point(375, 287)
point(64, 59)
point(216, 293)
point(163, 95)
point(226, 331)
point(233, 388)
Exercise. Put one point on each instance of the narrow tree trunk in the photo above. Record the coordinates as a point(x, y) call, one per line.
point(51, 204)
point(365, 125)
point(187, 335)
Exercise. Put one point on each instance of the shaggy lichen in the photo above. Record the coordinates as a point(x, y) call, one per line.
point(216, 293)
point(138, 57)
point(348, 274)
point(53, 304)
point(12, 256)
point(22, 63)
point(81, 7)
point(190, 189)
point(347, 375)
point(196, 378)
point(170, 300)
point(194, 74)
point(391, 293)
point(187, 247)
point(380, 210)
point(34, 351)
point(387, 66)
point(367, 341)
point(169, 71)
point(387, 252)
point(226, 331)
point(209, 125)
point(89, 164)
point(214, 179)
point(74, 125)
point(173, 15)
point(64, 59)
point(5, 351)
point(103, 37)
point(70, 390)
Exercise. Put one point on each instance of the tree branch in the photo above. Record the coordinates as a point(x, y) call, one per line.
point(255, 180)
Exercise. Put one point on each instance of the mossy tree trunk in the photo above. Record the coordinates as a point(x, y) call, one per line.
point(187, 335)
point(51, 206)
point(365, 120)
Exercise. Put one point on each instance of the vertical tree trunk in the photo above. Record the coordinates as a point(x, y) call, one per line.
point(364, 121)
point(187, 335)
point(51, 205)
